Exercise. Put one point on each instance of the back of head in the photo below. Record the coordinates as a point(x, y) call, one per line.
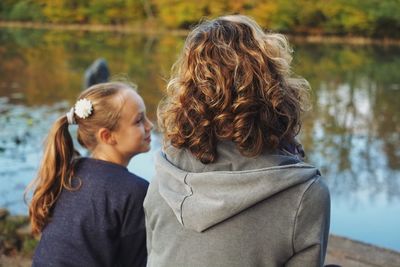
point(107, 103)
point(57, 167)
point(232, 82)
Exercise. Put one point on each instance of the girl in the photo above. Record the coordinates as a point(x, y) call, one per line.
point(89, 210)
point(230, 188)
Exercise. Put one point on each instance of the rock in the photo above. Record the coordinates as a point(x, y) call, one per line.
point(11, 246)
point(15, 261)
point(24, 231)
point(98, 72)
point(18, 219)
point(351, 253)
point(3, 213)
point(15, 236)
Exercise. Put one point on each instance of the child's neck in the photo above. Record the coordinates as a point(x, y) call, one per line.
point(110, 157)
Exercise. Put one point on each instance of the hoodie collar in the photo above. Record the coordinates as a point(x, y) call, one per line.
point(203, 195)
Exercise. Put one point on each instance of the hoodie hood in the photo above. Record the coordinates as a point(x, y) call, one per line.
point(202, 196)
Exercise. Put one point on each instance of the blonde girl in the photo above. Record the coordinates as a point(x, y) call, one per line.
point(88, 210)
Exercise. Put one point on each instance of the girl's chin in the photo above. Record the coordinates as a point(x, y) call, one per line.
point(145, 149)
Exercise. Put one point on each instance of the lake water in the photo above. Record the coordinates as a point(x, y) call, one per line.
point(352, 133)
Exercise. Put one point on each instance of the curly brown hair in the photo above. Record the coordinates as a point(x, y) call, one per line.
point(232, 82)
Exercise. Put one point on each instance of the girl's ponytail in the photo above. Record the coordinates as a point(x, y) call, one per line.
point(55, 173)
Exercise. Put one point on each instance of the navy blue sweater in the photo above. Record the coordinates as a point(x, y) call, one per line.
point(100, 224)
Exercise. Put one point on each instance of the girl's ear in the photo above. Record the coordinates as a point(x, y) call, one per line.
point(106, 137)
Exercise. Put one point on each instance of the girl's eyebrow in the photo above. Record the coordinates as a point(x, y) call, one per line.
point(139, 114)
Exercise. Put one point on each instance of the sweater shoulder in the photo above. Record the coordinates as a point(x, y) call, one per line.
point(126, 184)
point(110, 178)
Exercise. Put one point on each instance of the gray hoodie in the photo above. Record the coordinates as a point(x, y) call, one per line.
point(272, 210)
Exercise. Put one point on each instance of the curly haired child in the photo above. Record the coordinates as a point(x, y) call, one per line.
point(230, 187)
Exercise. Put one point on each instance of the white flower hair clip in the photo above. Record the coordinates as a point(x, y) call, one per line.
point(83, 108)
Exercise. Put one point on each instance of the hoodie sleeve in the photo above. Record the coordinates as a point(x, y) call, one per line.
point(148, 236)
point(311, 228)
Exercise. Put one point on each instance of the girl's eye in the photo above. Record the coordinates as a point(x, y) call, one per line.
point(139, 120)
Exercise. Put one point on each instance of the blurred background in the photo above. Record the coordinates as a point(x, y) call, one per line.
point(349, 51)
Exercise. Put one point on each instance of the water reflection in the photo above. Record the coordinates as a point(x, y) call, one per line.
point(21, 137)
point(352, 133)
point(47, 66)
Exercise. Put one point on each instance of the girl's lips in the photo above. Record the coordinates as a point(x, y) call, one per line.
point(148, 139)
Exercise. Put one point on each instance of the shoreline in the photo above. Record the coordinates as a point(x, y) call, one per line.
point(154, 30)
point(128, 29)
point(341, 251)
point(351, 253)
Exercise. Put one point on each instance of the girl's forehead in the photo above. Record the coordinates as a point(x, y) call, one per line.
point(132, 101)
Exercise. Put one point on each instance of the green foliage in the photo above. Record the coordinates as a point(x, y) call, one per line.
point(180, 14)
point(115, 12)
point(11, 224)
point(62, 11)
point(15, 236)
point(28, 246)
point(346, 16)
point(5, 8)
point(384, 16)
point(375, 18)
point(26, 11)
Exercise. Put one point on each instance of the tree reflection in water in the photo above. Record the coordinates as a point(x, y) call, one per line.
point(353, 130)
point(352, 133)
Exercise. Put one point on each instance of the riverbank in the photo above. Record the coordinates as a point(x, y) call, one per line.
point(17, 246)
point(350, 253)
point(153, 30)
point(129, 29)
point(341, 251)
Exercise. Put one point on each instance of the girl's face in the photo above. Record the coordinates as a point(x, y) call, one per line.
point(133, 132)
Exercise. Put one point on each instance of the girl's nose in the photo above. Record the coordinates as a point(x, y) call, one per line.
point(149, 125)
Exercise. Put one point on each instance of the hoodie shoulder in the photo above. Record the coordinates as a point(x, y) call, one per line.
point(311, 228)
point(201, 200)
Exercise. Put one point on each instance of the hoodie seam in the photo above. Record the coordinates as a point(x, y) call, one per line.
point(289, 166)
point(191, 193)
point(292, 166)
point(299, 165)
point(316, 178)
